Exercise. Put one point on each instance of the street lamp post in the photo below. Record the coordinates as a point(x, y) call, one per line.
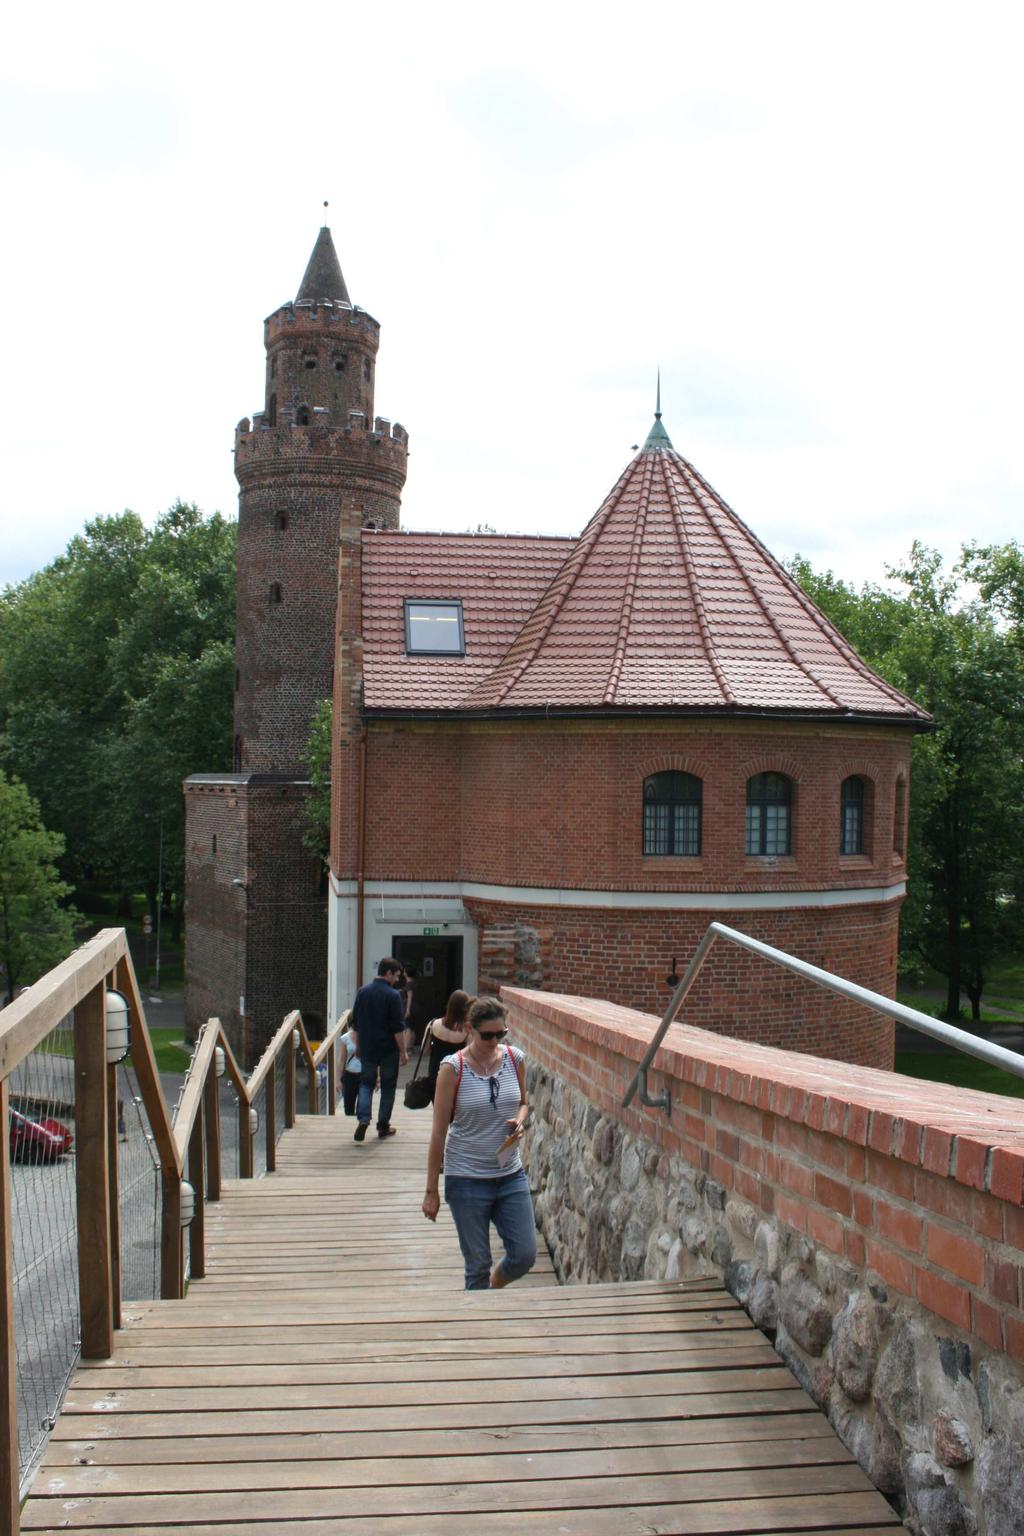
point(159, 901)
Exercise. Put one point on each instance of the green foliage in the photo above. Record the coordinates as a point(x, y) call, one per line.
point(116, 666)
point(958, 657)
point(36, 929)
point(316, 836)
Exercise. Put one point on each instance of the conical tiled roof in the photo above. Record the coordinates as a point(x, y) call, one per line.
point(668, 601)
point(322, 278)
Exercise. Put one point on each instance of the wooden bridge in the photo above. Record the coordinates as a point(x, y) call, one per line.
point(330, 1375)
point(327, 1373)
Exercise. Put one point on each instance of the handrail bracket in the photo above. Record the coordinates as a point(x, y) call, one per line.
point(662, 1100)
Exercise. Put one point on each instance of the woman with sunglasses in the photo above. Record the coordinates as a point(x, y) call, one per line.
point(479, 1110)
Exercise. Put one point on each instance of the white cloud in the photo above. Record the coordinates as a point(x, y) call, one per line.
point(807, 215)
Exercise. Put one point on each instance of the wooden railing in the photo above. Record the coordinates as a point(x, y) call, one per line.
point(187, 1145)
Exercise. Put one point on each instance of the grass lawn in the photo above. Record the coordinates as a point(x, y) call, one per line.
point(964, 1071)
point(171, 1055)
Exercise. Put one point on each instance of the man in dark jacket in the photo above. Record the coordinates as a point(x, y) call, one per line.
point(379, 1021)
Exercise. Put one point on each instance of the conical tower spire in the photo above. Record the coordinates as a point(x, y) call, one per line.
point(657, 437)
point(323, 278)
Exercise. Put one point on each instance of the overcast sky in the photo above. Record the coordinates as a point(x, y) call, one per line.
point(809, 215)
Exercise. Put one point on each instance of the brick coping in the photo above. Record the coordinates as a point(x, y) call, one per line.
point(960, 1133)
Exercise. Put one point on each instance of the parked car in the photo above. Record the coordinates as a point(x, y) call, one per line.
point(37, 1141)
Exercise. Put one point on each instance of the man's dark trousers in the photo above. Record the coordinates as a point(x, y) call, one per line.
point(388, 1084)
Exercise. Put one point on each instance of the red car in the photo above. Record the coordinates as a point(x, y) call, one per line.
point(37, 1141)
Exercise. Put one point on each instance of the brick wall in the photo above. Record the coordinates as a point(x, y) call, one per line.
point(291, 513)
point(560, 803)
point(921, 1183)
point(625, 956)
point(216, 853)
point(286, 952)
point(266, 940)
point(872, 1225)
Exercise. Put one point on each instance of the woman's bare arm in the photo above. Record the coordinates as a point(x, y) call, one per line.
point(444, 1098)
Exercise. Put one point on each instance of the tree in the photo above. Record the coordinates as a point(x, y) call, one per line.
point(36, 930)
point(951, 654)
point(116, 667)
point(316, 836)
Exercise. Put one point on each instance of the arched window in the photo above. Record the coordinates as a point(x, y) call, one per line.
point(215, 845)
point(237, 755)
point(302, 416)
point(272, 411)
point(851, 815)
point(273, 367)
point(340, 362)
point(672, 813)
point(366, 369)
point(280, 521)
point(275, 592)
point(769, 802)
point(899, 817)
point(309, 361)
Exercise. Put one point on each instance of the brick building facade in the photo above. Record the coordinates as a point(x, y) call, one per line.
point(554, 760)
point(499, 807)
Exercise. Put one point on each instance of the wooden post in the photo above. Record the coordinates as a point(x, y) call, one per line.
point(211, 1112)
point(171, 1279)
point(332, 1084)
point(314, 1085)
point(289, 1086)
point(197, 1231)
point(270, 1115)
point(244, 1139)
point(115, 1203)
point(9, 1455)
point(92, 1177)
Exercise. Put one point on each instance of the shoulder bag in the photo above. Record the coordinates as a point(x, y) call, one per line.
point(419, 1091)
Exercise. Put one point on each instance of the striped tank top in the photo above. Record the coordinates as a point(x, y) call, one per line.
point(483, 1108)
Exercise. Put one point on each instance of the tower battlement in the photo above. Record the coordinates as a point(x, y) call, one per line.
point(378, 444)
point(325, 317)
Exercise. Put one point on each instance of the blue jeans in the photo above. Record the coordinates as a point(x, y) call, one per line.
point(388, 1084)
point(474, 1204)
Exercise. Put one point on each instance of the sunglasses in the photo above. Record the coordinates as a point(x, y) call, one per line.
point(492, 1034)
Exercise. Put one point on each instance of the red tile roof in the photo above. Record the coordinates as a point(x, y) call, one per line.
point(666, 602)
point(499, 580)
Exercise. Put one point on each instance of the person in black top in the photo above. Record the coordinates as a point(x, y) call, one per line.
point(379, 1020)
point(407, 992)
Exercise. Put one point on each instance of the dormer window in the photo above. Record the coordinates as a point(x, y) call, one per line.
point(434, 629)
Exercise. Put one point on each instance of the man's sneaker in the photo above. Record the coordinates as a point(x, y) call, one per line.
point(361, 1130)
point(387, 1130)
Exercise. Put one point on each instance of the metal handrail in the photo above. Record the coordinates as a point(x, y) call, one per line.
point(984, 1050)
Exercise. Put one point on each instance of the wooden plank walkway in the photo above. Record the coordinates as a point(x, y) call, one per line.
point(330, 1376)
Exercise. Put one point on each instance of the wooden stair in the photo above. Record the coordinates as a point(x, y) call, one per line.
point(331, 1376)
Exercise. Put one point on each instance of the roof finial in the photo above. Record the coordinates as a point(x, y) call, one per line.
point(325, 213)
point(657, 438)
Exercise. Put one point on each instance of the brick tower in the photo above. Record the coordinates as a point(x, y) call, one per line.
point(314, 467)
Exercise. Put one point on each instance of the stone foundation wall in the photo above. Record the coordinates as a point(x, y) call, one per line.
point(869, 1225)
